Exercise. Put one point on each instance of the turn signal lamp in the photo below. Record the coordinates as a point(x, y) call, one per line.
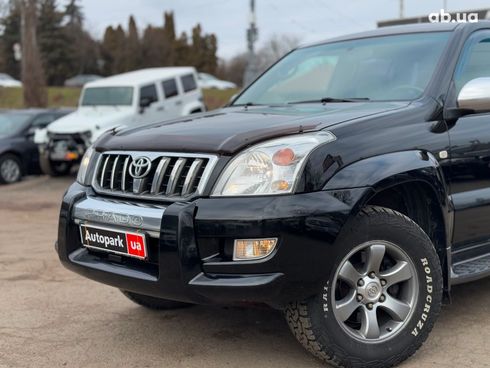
point(250, 249)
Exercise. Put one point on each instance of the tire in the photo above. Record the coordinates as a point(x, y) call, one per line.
point(54, 168)
point(154, 303)
point(10, 169)
point(320, 323)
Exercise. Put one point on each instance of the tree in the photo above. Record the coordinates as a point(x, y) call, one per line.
point(84, 50)
point(133, 47)
point(54, 44)
point(11, 36)
point(113, 50)
point(274, 48)
point(35, 93)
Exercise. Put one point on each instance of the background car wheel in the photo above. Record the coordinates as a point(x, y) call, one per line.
point(10, 169)
point(154, 303)
point(382, 297)
point(54, 168)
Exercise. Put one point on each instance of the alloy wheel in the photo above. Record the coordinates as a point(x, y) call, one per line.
point(10, 170)
point(375, 291)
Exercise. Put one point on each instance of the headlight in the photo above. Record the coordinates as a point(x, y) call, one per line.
point(87, 165)
point(269, 168)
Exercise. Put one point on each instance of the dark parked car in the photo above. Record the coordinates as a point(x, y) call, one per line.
point(18, 154)
point(326, 189)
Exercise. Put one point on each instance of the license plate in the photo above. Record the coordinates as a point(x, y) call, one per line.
point(114, 241)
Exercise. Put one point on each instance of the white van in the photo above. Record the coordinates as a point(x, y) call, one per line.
point(129, 99)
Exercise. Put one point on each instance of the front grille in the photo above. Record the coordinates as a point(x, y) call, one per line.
point(169, 176)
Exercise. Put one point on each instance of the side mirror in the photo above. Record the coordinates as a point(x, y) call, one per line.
point(145, 102)
point(475, 95)
point(31, 132)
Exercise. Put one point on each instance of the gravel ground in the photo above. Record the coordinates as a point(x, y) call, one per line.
point(50, 317)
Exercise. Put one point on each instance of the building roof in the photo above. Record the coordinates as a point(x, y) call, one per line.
point(140, 77)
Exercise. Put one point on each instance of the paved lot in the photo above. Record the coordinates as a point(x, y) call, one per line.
point(50, 317)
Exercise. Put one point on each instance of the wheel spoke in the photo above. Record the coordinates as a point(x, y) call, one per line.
point(349, 274)
point(396, 274)
point(345, 307)
point(369, 324)
point(397, 309)
point(375, 256)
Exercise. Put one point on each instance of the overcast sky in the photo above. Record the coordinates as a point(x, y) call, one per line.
point(309, 20)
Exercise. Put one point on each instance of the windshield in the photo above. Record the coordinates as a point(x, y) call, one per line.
point(108, 96)
point(11, 124)
point(381, 68)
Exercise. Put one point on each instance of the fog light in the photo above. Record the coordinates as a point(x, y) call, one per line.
point(249, 249)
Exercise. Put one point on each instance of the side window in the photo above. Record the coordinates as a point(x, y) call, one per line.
point(42, 121)
point(149, 93)
point(170, 88)
point(475, 60)
point(188, 82)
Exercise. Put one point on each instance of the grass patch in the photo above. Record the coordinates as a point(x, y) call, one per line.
point(11, 98)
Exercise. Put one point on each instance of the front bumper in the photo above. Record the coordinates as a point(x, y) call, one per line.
point(190, 245)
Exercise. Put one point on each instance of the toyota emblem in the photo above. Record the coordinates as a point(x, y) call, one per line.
point(140, 167)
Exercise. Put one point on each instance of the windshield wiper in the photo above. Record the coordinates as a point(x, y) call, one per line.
point(332, 99)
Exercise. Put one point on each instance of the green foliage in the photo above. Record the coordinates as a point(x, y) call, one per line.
point(158, 46)
point(67, 49)
point(10, 36)
point(54, 43)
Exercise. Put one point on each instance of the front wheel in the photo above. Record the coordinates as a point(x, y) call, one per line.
point(10, 169)
point(382, 297)
point(54, 168)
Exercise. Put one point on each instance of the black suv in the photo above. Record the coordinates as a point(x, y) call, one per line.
point(349, 186)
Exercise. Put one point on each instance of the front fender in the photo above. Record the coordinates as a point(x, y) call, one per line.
point(384, 171)
point(193, 106)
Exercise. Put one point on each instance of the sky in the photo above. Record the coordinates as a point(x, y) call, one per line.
point(308, 20)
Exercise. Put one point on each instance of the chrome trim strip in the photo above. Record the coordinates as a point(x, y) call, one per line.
point(123, 179)
point(118, 214)
point(102, 175)
point(175, 175)
point(113, 173)
point(191, 176)
point(159, 175)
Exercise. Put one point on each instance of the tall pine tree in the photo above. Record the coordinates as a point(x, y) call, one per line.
point(54, 44)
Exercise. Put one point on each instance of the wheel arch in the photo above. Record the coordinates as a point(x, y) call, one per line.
point(410, 182)
point(17, 154)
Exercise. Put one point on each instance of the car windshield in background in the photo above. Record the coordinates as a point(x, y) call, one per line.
point(108, 96)
point(12, 123)
point(379, 68)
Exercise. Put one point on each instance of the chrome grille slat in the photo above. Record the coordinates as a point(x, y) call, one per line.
point(113, 173)
point(191, 176)
point(123, 178)
point(174, 176)
point(159, 175)
point(102, 176)
point(169, 176)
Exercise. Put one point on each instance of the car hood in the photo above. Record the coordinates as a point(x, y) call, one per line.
point(231, 129)
point(91, 118)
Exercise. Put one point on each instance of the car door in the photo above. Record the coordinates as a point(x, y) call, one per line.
point(173, 98)
point(151, 104)
point(189, 88)
point(470, 150)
